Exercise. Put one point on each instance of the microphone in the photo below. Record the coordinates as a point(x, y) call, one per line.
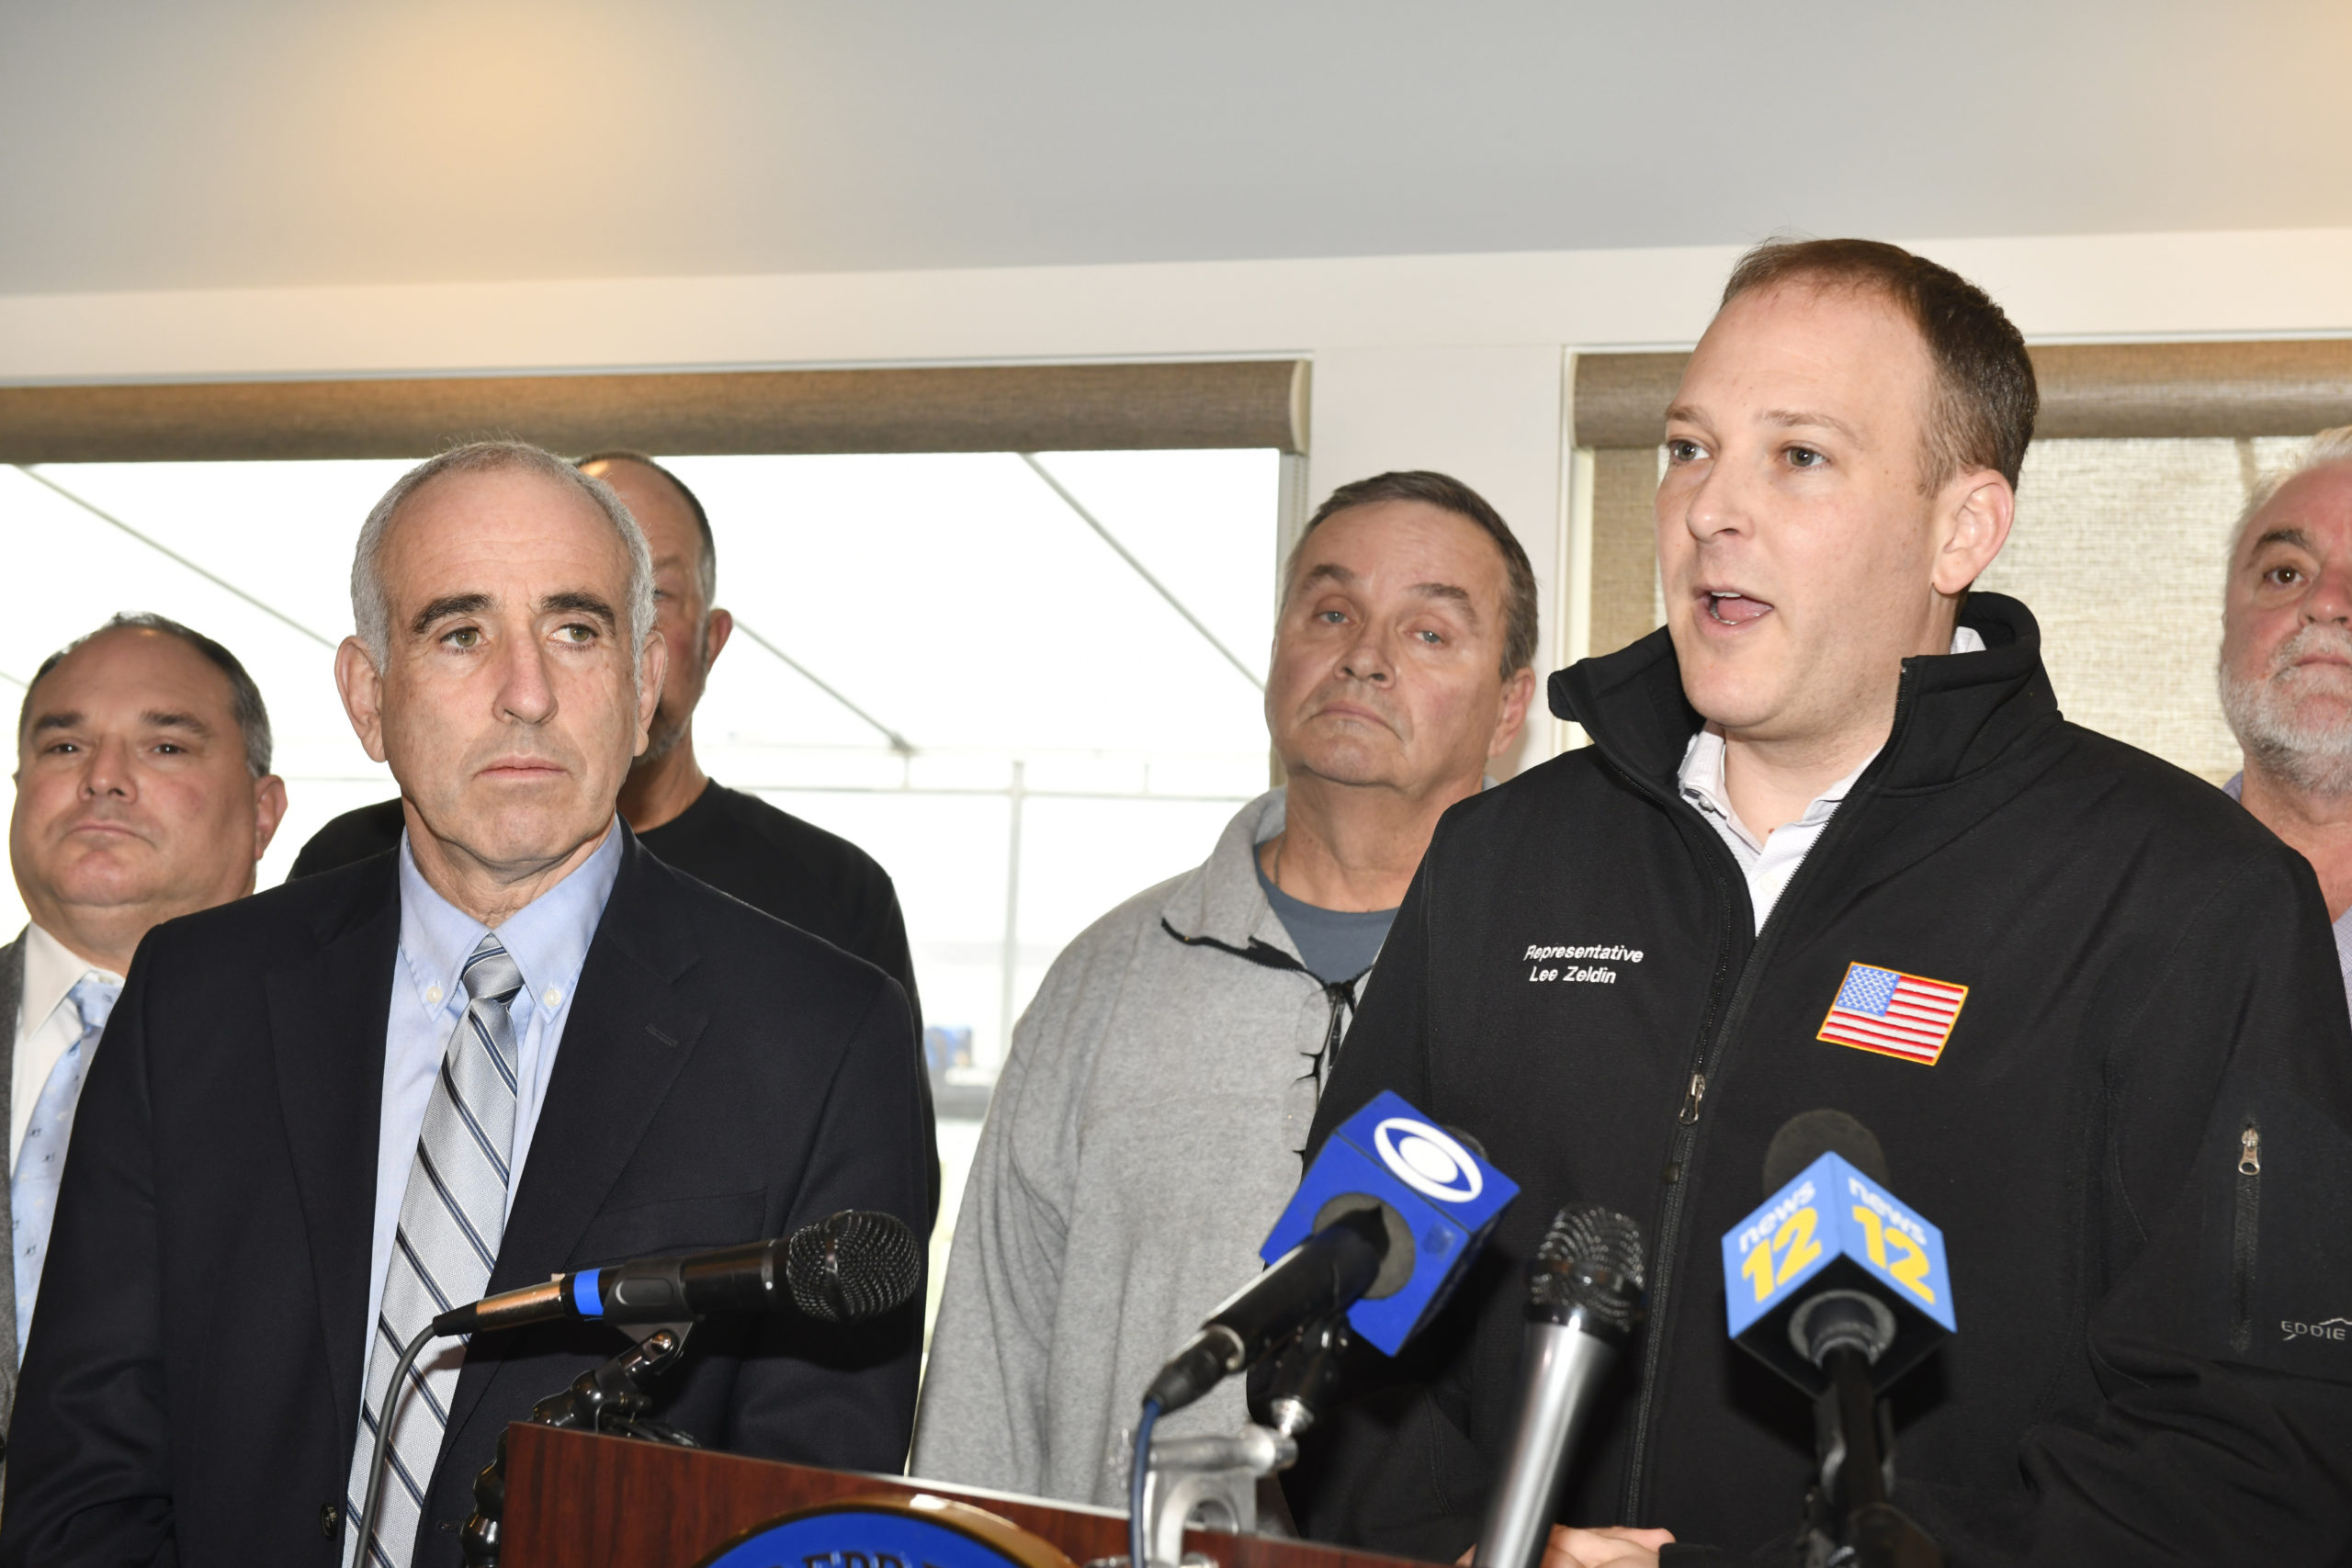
point(1834, 1259)
point(1323, 1275)
point(1380, 1228)
point(844, 1269)
point(1809, 1134)
point(1840, 1287)
point(1433, 1191)
point(1585, 1295)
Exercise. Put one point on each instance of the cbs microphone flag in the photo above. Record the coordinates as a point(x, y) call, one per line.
point(1894, 1013)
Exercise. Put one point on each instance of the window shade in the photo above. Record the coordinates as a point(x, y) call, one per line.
point(1011, 408)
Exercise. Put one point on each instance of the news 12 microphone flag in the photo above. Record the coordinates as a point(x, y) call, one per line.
point(1833, 1228)
point(1447, 1197)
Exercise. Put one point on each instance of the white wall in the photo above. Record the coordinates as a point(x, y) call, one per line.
point(2245, 283)
point(1490, 415)
point(1443, 361)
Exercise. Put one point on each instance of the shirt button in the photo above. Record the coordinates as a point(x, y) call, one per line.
point(433, 996)
point(551, 996)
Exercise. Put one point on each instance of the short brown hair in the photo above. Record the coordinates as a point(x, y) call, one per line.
point(1447, 494)
point(1986, 397)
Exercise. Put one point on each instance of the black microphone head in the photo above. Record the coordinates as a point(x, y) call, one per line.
point(853, 1266)
point(1590, 1259)
point(1808, 1135)
point(1467, 1142)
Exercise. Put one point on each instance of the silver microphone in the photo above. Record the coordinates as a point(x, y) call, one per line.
point(1584, 1288)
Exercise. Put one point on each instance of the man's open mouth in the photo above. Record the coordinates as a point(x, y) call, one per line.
point(1730, 609)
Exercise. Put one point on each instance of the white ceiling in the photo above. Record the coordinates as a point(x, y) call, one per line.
point(214, 143)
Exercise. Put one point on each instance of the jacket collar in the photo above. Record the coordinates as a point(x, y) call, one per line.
point(1219, 901)
point(1955, 715)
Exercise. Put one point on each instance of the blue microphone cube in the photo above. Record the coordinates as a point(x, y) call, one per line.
point(1447, 1196)
point(1835, 1229)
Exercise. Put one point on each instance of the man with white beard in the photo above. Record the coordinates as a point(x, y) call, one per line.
point(2286, 668)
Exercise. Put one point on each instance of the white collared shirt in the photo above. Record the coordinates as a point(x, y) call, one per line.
point(47, 1024)
point(1769, 863)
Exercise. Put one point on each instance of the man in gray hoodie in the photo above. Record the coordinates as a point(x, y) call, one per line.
point(1149, 1121)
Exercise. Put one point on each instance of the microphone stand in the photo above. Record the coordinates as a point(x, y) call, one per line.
point(1305, 1375)
point(608, 1399)
point(1853, 1522)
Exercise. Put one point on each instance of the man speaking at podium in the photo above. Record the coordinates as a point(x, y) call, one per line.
point(520, 1046)
point(1830, 767)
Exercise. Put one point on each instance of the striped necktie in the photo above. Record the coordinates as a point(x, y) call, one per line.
point(452, 1216)
point(32, 1196)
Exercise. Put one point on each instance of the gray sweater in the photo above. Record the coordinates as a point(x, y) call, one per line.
point(1145, 1134)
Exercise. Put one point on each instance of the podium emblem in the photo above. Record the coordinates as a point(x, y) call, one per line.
point(922, 1531)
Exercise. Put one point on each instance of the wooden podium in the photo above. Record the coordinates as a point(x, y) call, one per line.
point(579, 1500)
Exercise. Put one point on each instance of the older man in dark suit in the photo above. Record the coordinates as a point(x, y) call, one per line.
point(520, 1046)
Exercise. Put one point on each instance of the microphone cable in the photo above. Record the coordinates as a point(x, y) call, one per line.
point(1138, 1473)
point(367, 1505)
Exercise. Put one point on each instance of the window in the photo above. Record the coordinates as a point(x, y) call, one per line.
point(1072, 739)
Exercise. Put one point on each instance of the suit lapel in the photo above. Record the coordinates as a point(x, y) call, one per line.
point(12, 997)
point(625, 1041)
point(326, 1024)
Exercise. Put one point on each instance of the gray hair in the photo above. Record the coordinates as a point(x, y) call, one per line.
point(371, 608)
point(2309, 756)
point(2326, 449)
point(245, 698)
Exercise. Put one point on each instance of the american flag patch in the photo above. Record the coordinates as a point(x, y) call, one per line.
point(1893, 1013)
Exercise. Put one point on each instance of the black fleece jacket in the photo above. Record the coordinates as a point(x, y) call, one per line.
point(2150, 975)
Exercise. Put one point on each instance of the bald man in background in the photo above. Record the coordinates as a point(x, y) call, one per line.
point(2285, 666)
point(144, 792)
point(736, 843)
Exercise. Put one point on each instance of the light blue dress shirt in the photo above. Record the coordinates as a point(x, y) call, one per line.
point(548, 939)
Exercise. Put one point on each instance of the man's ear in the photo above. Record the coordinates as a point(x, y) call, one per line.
point(1975, 511)
point(717, 628)
point(269, 810)
point(650, 672)
point(362, 685)
point(1518, 691)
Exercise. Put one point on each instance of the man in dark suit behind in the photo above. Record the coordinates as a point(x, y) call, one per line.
point(299, 1136)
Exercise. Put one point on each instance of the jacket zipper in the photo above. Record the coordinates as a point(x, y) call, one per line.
point(1689, 1114)
point(2246, 1233)
point(1714, 1042)
point(1661, 1270)
point(1339, 994)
